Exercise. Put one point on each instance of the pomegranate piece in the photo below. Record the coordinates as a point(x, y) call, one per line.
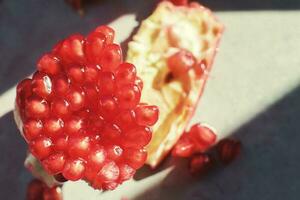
point(81, 113)
point(200, 164)
point(197, 140)
point(174, 55)
point(35, 190)
point(228, 150)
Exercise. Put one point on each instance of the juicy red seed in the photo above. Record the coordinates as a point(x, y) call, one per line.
point(41, 84)
point(203, 137)
point(32, 129)
point(90, 175)
point(228, 150)
point(35, 190)
point(137, 138)
point(60, 144)
point(109, 172)
point(135, 157)
point(111, 57)
point(79, 146)
point(74, 125)
point(184, 147)
point(61, 85)
point(180, 62)
point(146, 115)
point(109, 185)
point(138, 82)
point(111, 133)
point(54, 164)
point(107, 83)
point(114, 152)
point(41, 147)
point(108, 32)
point(96, 124)
point(125, 119)
point(91, 73)
point(96, 157)
point(36, 107)
point(94, 46)
point(49, 64)
point(71, 50)
point(53, 127)
point(128, 96)
point(60, 107)
point(91, 93)
point(108, 107)
point(126, 172)
point(179, 2)
point(74, 169)
point(125, 74)
point(76, 74)
point(23, 91)
point(76, 99)
point(200, 164)
point(54, 193)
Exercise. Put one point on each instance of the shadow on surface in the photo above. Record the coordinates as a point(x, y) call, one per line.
point(268, 167)
point(14, 177)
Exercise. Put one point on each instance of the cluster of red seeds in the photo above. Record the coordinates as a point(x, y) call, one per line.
point(81, 111)
point(37, 190)
point(195, 143)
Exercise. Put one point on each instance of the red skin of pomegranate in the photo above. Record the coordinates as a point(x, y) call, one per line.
point(81, 111)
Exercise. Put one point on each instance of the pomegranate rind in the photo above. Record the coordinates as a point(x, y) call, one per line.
point(199, 32)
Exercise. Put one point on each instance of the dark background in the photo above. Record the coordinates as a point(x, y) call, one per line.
point(28, 28)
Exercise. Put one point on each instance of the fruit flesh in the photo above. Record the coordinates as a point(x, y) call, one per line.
point(169, 30)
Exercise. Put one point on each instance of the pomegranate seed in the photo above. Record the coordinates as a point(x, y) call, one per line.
point(49, 64)
point(128, 96)
point(97, 157)
point(137, 138)
point(107, 83)
point(79, 146)
point(228, 150)
point(200, 164)
point(108, 107)
point(114, 152)
point(71, 50)
point(60, 107)
point(76, 74)
point(54, 163)
point(32, 129)
point(179, 2)
point(126, 172)
point(74, 125)
point(109, 172)
point(54, 193)
point(180, 62)
point(41, 147)
point(108, 32)
point(184, 147)
point(125, 119)
point(126, 74)
point(61, 85)
point(135, 157)
point(109, 185)
point(60, 144)
point(23, 92)
point(146, 115)
point(111, 133)
point(53, 127)
point(75, 98)
point(200, 68)
point(111, 57)
point(35, 190)
point(91, 73)
point(94, 46)
point(41, 85)
point(36, 107)
point(203, 137)
point(138, 82)
point(74, 169)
